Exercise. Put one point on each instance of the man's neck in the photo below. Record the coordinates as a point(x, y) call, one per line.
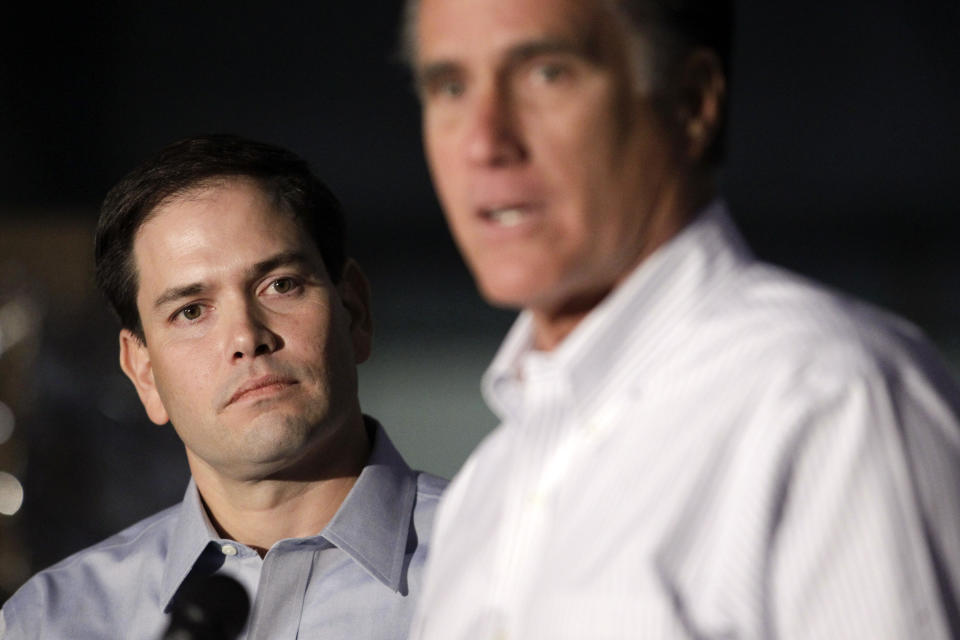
point(552, 323)
point(259, 512)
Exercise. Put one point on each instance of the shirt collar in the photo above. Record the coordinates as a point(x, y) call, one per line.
point(372, 525)
point(189, 535)
point(656, 295)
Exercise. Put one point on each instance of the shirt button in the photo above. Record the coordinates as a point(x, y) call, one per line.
point(228, 550)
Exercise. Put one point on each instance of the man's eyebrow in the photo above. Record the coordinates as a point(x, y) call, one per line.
point(176, 293)
point(261, 268)
point(518, 53)
point(284, 259)
point(547, 46)
point(431, 72)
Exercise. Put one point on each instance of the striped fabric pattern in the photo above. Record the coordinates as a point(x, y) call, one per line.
point(720, 450)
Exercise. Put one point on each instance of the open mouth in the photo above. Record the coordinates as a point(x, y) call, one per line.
point(510, 217)
point(507, 216)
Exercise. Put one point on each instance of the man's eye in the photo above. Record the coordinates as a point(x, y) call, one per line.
point(550, 72)
point(452, 89)
point(445, 87)
point(283, 285)
point(191, 312)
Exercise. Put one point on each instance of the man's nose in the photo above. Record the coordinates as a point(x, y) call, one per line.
point(494, 135)
point(250, 334)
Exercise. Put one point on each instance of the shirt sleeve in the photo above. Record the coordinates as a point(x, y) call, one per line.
point(852, 554)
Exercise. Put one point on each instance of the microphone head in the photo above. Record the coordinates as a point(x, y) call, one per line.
point(208, 608)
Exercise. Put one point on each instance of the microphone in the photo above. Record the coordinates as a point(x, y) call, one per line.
point(208, 608)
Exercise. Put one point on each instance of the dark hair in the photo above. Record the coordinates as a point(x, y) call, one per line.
point(678, 27)
point(191, 163)
point(695, 23)
point(675, 26)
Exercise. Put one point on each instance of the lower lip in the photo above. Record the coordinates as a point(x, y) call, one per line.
point(261, 393)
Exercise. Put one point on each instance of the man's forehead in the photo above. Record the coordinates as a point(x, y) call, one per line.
point(197, 227)
point(217, 196)
point(455, 29)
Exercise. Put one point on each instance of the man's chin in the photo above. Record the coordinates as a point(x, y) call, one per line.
point(509, 290)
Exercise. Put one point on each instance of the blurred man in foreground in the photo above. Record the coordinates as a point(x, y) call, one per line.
point(693, 444)
point(243, 321)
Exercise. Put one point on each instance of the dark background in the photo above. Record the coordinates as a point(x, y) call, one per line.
point(844, 147)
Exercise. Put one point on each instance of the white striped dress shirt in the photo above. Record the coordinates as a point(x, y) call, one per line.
point(719, 450)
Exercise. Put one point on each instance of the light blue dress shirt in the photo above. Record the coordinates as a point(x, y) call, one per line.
point(359, 578)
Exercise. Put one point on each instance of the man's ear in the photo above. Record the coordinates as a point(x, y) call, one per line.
point(702, 96)
point(135, 362)
point(355, 293)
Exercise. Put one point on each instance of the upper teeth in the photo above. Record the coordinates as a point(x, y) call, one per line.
point(507, 217)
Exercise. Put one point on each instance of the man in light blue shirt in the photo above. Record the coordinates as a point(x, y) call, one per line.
point(242, 324)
